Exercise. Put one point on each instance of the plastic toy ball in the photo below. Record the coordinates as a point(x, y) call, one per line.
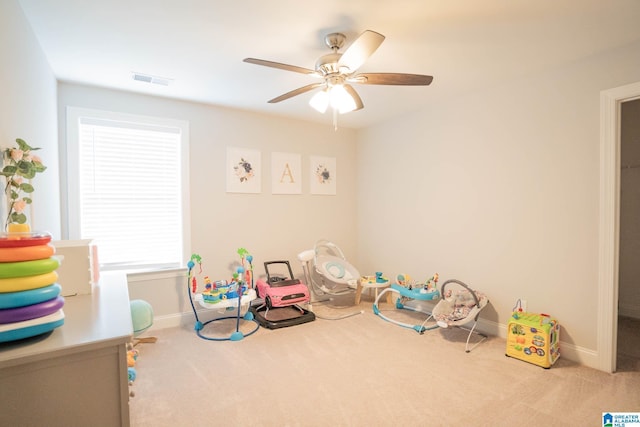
point(240, 270)
point(249, 258)
point(190, 264)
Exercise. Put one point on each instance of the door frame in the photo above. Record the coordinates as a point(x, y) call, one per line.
point(609, 226)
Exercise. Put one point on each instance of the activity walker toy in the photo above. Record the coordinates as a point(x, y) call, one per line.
point(533, 337)
point(282, 294)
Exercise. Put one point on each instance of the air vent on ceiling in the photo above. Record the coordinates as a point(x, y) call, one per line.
point(147, 78)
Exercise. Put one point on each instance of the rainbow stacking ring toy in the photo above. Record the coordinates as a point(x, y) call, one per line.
point(27, 253)
point(30, 301)
point(30, 297)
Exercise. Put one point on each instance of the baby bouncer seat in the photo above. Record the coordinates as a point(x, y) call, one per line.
point(459, 307)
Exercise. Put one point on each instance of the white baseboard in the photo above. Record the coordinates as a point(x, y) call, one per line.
point(187, 319)
point(173, 320)
point(581, 355)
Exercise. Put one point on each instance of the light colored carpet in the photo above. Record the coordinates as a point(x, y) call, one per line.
point(363, 371)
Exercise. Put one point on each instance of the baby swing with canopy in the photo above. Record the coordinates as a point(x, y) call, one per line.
point(328, 273)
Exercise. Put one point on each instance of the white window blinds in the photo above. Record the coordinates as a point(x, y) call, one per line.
point(130, 192)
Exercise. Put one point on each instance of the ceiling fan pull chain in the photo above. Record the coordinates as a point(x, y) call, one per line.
point(335, 118)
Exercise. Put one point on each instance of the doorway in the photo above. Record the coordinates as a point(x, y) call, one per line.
point(628, 334)
point(609, 225)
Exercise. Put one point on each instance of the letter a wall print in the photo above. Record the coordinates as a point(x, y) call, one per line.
point(286, 173)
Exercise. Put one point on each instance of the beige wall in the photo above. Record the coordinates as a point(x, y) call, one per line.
point(271, 227)
point(629, 276)
point(28, 110)
point(499, 189)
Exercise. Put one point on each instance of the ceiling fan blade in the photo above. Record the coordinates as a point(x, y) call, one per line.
point(281, 66)
point(361, 49)
point(355, 96)
point(392, 79)
point(295, 92)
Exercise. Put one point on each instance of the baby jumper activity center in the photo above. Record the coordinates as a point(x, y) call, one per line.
point(224, 296)
point(533, 337)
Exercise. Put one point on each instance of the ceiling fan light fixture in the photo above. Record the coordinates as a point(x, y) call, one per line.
point(338, 70)
point(336, 96)
point(341, 100)
point(320, 101)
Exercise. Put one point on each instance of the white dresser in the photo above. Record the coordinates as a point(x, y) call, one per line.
point(77, 374)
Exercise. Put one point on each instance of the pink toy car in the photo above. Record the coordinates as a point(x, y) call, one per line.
point(280, 291)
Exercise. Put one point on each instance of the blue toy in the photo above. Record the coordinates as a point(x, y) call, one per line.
point(236, 293)
point(408, 289)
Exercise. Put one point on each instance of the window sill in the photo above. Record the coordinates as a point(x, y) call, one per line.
point(154, 273)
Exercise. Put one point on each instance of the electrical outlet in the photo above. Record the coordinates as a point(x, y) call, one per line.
point(523, 304)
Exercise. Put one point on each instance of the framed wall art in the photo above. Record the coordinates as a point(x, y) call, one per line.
point(243, 170)
point(286, 173)
point(323, 175)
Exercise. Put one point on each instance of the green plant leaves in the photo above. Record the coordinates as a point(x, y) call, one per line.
point(26, 187)
point(20, 164)
point(18, 218)
point(9, 170)
point(22, 145)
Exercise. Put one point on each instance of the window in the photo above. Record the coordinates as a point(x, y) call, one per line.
point(128, 188)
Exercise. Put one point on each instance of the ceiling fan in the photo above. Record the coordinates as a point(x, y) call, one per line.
point(339, 70)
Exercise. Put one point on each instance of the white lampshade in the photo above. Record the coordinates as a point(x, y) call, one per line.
point(320, 101)
point(341, 100)
point(336, 96)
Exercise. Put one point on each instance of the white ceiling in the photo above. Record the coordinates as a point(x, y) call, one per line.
point(200, 44)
